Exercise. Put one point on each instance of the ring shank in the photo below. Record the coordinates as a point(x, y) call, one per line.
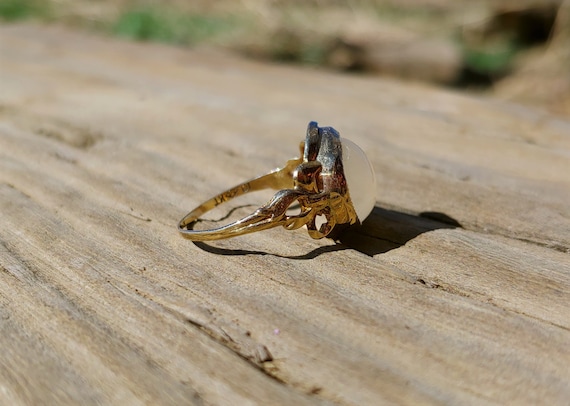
point(278, 179)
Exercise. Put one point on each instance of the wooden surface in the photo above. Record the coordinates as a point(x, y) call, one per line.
point(455, 291)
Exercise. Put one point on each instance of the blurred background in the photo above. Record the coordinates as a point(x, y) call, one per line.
point(517, 50)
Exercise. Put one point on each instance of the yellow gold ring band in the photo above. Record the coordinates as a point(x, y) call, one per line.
point(316, 181)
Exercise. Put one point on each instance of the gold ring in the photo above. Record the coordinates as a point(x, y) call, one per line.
point(332, 182)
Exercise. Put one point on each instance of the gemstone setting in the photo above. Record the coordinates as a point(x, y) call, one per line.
point(360, 178)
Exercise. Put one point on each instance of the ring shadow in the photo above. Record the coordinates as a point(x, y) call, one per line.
point(383, 231)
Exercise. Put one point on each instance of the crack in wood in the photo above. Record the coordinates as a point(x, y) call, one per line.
point(238, 341)
point(49, 127)
point(228, 334)
point(254, 353)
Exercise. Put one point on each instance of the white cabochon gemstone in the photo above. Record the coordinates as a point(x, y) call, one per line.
point(360, 178)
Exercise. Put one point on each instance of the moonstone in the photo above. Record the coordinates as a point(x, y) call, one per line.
point(360, 178)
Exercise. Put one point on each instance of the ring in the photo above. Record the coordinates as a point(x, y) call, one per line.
point(333, 183)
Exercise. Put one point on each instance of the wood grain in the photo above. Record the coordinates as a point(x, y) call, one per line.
point(456, 290)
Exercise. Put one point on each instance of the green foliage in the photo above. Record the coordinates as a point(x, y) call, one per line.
point(313, 54)
point(155, 24)
point(14, 10)
point(491, 60)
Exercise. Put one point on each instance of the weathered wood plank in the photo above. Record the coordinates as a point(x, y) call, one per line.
point(104, 145)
